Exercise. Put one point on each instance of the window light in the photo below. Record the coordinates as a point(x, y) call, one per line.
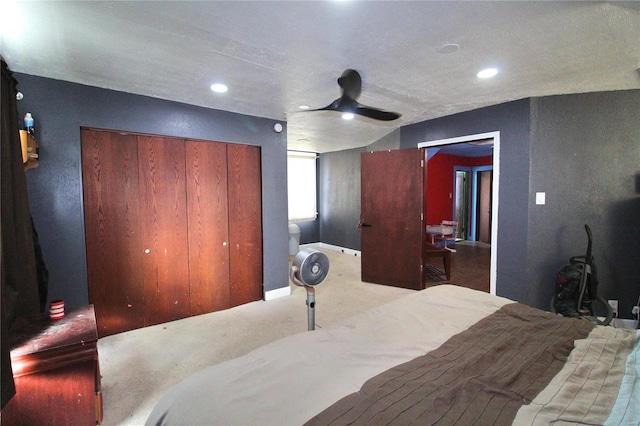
point(301, 186)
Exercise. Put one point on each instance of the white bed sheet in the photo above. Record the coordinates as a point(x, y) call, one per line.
point(291, 380)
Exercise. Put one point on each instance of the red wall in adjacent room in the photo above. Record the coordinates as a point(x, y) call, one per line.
point(440, 182)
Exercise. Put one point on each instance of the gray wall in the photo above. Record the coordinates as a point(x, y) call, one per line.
point(339, 210)
point(512, 120)
point(582, 150)
point(55, 187)
point(586, 157)
point(339, 188)
point(309, 232)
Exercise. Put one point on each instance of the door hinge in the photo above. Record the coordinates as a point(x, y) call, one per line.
point(422, 163)
point(421, 217)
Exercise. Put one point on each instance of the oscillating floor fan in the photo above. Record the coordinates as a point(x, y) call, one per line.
point(308, 269)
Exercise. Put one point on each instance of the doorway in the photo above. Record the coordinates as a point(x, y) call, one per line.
point(462, 212)
point(472, 199)
point(493, 139)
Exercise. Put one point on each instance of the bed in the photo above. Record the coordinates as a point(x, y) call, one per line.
point(445, 355)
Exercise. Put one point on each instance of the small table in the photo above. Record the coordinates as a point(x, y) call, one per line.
point(434, 251)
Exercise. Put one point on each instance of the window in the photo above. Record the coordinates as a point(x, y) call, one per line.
point(301, 186)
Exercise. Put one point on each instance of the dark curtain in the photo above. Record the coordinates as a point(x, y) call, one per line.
point(41, 269)
point(19, 292)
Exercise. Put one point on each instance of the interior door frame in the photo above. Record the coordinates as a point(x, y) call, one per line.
point(496, 184)
point(474, 197)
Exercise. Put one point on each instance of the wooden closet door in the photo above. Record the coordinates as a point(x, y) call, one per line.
point(112, 230)
point(245, 223)
point(208, 220)
point(164, 228)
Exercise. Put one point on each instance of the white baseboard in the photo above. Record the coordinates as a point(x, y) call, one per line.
point(277, 293)
point(335, 248)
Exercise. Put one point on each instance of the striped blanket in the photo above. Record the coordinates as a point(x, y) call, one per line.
point(445, 355)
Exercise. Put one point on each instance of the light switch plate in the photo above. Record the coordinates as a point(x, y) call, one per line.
point(540, 197)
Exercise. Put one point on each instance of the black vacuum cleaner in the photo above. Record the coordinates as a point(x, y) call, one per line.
point(576, 292)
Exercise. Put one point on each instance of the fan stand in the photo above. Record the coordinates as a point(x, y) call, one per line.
point(311, 307)
point(311, 299)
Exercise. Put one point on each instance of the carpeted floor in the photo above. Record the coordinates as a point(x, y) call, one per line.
point(139, 365)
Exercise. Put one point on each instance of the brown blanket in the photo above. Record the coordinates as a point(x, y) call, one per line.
point(480, 376)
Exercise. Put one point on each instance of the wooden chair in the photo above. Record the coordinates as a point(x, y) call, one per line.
point(431, 271)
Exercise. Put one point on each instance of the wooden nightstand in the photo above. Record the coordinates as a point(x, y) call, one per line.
point(56, 371)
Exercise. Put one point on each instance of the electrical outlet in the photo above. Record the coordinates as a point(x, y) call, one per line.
point(614, 306)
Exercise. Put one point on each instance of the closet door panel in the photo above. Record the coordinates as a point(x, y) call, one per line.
point(208, 219)
point(164, 228)
point(245, 223)
point(112, 230)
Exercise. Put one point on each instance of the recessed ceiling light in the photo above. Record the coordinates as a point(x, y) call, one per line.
point(488, 73)
point(348, 116)
point(219, 88)
point(448, 48)
point(303, 106)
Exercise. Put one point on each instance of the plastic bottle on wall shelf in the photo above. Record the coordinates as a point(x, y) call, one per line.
point(28, 123)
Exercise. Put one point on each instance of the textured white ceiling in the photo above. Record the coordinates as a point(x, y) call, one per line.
point(276, 55)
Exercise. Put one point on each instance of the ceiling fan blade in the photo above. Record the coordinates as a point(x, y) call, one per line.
point(345, 104)
point(375, 113)
point(333, 106)
point(351, 83)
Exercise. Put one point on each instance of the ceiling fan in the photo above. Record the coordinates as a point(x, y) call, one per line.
point(351, 84)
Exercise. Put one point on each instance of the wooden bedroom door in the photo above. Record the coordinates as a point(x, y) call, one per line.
point(392, 219)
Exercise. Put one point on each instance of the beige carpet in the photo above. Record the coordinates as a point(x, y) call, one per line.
point(139, 365)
